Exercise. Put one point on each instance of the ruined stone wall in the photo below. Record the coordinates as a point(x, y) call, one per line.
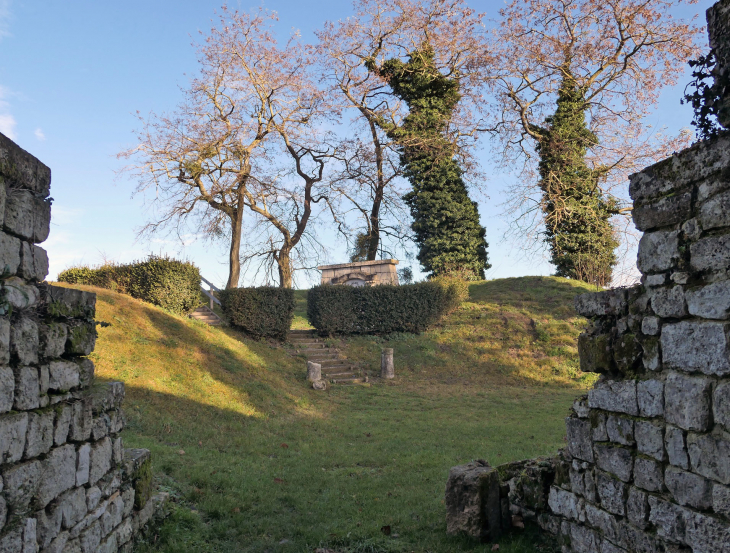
point(66, 483)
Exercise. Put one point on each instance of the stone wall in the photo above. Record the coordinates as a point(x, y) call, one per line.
point(67, 485)
point(361, 273)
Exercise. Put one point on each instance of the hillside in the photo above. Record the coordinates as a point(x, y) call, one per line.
point(257, 461)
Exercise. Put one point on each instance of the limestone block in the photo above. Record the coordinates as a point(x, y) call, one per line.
point(128, 498)
point(652, 281)
point(680, 524)
point(637, 507)
point(711, 253)
point(4, 340)
point(113, 515)
point(24, 341)
point(13, 429)
point(69, 303)
point(19, 294)
point(52, 339)
point(72, 505)
point(608, 547)
point(577, 485)
point(669, 302)
point(40, 434)
point(110, 483)
point(715, 212)
point(611, 492)
point(81, 338)
point(9, 254)
point(688, 489)
point(721, 500)
point(674, 441)
point(100, 427)
point(86, 371)
point(650, 397)
point(721, 404)
point(580, 406)
point(658, 251)
point(620, 430)
point(100, 460)
point(648, 474)
point(48, 526)
point(117, 451)
point(3, 512)
point(688, 401)
point(93, 498)
point(615, 460)
point(62, 425)
point(472, 498)
point(696, 346)
point(602, 520)
point(58, 545)
point(106, 396)
point(710, 456)
point(59, 474)
point(91, 538)
point(7, 389)
point(598, 425)
point(650, 326)
point(583, 539)
point(618, 396)
point(579, 433)
point(21, 484)
point(600, 304)
point(27, 388)
point(663, 212)
point(565, 503)
point(83, 464)
point(108, 545)
point(589, 487)
point(33, 262)
point(595, 353)
point(20, 212)
point(23, 169)
point(626, 352)
point(81, 421)
point(12, 542)
point(711, 301)
point(650, 439)
point(64, 376)
point(124, 532)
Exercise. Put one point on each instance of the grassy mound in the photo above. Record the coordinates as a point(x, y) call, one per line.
point(257, 461)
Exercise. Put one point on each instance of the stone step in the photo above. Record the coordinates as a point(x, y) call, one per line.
point(339, 375)
point(334, 362)
point(309, 345)
point(353, 380)
point(317, 352)
point(300, 333)
point(205, 315)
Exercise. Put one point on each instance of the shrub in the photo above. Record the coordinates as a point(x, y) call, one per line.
point(263, 312)
point(173, 285)
point(457, 288)
point(383, 309)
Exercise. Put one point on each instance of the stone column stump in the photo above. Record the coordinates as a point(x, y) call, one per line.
point(387, 369)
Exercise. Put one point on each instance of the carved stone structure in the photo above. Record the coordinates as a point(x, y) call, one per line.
point(361, 273)
point(647, 462)
point(67, 485)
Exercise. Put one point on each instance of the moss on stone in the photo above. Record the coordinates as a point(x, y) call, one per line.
point(142, 481)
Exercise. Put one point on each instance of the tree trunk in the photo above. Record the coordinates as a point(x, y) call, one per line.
point(285, 269)
point(234, 256)
point(374, 236)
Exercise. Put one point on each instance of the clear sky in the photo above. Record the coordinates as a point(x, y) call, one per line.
point(74, 72)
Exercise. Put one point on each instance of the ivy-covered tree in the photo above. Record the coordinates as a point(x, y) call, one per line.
point(577, 213)
point(450, 239)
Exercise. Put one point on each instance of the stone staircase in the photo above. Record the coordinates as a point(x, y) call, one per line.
point(334, 368)
point(206, 315)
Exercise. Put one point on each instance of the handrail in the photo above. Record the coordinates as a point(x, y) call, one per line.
point(209, 294)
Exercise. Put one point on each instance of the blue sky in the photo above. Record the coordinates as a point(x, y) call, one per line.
point(73, 73)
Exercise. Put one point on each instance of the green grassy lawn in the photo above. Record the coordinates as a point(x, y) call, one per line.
point(257, 461)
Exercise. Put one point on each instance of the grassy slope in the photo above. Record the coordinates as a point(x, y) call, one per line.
point(257, 461)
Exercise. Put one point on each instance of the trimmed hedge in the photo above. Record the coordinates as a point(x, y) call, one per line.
point(263, 312)
point(382, 309)
point(173, 285)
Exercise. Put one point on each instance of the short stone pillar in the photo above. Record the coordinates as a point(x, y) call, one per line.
point(314, 371)
point(387, 370)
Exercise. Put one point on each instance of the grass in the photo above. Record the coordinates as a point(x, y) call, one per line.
point(257, 461)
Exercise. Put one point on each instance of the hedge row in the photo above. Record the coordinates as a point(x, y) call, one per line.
point(379, 309)
point(263, 312)
point(173, 285)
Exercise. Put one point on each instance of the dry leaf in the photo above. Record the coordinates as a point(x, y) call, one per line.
point(181, 452)
point(278, 480)
point(285, 446)
point(495, 547)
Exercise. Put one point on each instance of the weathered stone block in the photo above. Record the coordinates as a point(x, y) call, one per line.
point(611, 492)
point(72, 505)
point(618, 396)
point(13, 429)
point(40, 434)
point(100, 459)
point(83, 464)
point(565, 503)
point(650, 397)
point(620, 430)
point(86, 371)
point(650, 439)
point(64, 412)
point(7, 389)
point(59, 474)
point(721, 404)
point(676, 447)
point(81, 421)
point(652, 354)
point(52, 338)
point(696, 346)
point(93, 497)
point(711, 253)
point(595, 353)
point(23, 169)
point(600, 304)
point(650, 326)
point(24, 341)
point(21, 483)
point(107, 396)
point(579, 433)
point(658, 251)
point(710, 456)
point(626, 352)
point(721, 500)
point(91, 538)
point(583, 539)
point(688, 401)
point(70, 303)
point(637, 507)
point(688, 489)
point(48, 528)
point(669, 302)
point(19, 294)
point(715, 212)
point(663, 212)
point(648, 474)
point(12, 542)
point(472, 500)
point(680, 524)
point(19, 212)
point(598, 424)
point(711, 301)
point(9, 254)
point(4, 341)
point(113, 515)
point(33, 262)
point(27, 388)
point(81, 338)
point(616, 460)
point(64, 375)
point(602, 520)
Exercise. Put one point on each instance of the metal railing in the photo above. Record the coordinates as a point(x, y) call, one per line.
point(209, 293)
